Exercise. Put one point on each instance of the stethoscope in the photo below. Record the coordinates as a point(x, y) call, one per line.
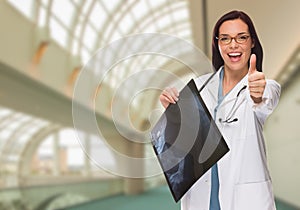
point(232, 110)
point(230, 118)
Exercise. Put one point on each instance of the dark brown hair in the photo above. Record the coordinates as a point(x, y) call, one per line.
point(217, 60)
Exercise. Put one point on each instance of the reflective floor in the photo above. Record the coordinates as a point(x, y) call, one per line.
point(158, 198)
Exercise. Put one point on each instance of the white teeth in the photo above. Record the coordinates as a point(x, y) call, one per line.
point(235, 54)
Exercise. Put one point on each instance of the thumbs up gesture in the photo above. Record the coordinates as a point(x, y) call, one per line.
point(256, 81)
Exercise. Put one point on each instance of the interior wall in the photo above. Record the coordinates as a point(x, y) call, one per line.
point(15, 38)
point(282, 136)
point(18, 45)
point(276, 22)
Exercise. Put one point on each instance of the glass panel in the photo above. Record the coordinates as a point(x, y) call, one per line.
point(75, 157)
point(77, 2)
point(43, 161)
point(45, 2)
point(86, 6)
point(106, 34)
point(181, 14)
point(63, 10)
point(115, 36)
point(89, 37)
point(126, 23)
point(4, 134)
point(98, 16)
point(42, 17)
point(75, 154)
point(85, 56)
point(75, 47)
point(15, 123)
point(155, 4)
point(58, 33)
point(113, 82)
point(78, 30)
point(24, 6)
point(139, 10)
point(100, 150)
point(112, 5)
point(12, 158)
point(164, 21)
point(34, 127)
point(46, 148)
point(184, 33)
point(150, 29)
point(4, 112)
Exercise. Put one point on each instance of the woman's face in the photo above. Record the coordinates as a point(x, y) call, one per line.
point(237, 52)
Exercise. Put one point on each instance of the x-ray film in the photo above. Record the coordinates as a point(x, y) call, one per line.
point(187, 141)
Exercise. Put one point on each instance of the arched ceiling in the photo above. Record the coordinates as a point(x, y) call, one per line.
point(81, 27)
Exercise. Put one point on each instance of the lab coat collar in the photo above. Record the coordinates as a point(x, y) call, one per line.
point(213, 87)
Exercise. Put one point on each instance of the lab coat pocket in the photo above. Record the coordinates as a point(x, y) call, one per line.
point(254, 195)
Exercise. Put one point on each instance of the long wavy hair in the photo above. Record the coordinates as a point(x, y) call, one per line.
point(217, 60)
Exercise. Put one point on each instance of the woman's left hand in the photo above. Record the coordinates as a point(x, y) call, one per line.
point(256, 81)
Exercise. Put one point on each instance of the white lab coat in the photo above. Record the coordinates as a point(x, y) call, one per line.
point(245, 182)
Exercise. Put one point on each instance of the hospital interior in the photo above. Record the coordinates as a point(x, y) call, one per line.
point(79, 94)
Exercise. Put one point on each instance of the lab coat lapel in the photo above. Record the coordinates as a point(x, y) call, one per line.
point(227, 106)
point(210, 92)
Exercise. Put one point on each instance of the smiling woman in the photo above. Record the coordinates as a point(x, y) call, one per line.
point(248, 30)
point(235, 53)
point(61, 36)
point(240, 180)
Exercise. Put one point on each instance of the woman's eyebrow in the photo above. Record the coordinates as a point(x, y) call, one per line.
point(243, 33)
point(237, 34)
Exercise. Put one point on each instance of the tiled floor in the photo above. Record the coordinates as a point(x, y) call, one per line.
point(159, 199)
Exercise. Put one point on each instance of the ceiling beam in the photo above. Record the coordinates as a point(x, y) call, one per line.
point(27, 95)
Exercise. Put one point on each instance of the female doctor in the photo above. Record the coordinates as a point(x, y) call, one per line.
point(240, 99)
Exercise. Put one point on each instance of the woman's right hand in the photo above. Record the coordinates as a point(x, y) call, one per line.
point(169, 95)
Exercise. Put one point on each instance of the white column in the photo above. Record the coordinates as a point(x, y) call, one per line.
point(56, 155)
point(87, 162)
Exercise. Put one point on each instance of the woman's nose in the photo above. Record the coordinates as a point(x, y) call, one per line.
point(233, 44)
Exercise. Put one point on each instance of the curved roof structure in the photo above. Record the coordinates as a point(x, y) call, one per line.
point(113, 57)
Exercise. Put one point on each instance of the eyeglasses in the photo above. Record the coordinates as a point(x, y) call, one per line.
point(240, 39)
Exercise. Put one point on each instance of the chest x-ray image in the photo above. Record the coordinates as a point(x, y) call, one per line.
point(187, 141)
